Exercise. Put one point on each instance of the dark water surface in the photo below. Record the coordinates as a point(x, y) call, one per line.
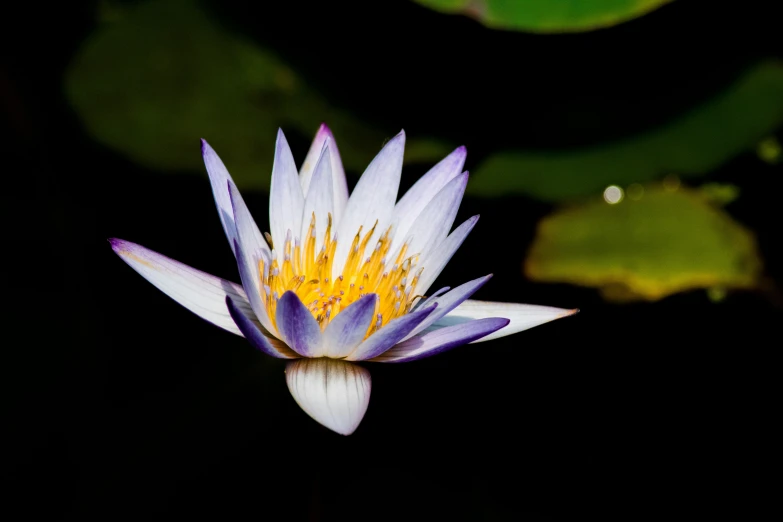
point(120, 402)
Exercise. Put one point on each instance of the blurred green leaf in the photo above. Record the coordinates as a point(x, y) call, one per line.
point(693, 145)
point(547, 16)
point(769, 150)
point(164, 74)
point(719, 193)
point(664, 242)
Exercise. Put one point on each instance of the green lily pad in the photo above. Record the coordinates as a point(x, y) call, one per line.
point(547, 16)
point(659, 244)
point(769, 150)
point(692, 145)
point(155, 79)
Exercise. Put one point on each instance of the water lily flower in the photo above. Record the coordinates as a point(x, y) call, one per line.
point(340, 279)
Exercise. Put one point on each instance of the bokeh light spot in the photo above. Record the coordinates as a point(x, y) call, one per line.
point(613, 194)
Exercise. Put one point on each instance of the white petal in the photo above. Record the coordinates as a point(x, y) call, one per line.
point(199, 292)
point(334, 393)
point(313, 155)
point(421, 193)
point(319, 200)
point(372, 200)
point(434, 223)
point(438, 258)
point(339, 184)
point(249, 249)
point(218, 178)
point(247, 231)
point(285, 198)
point(522, 316)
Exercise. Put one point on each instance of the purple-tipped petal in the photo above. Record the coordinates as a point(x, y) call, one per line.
point(522, 316)
point(255, 336)
point(286, 200)
point(339, 183)
point(334, 393)
point(201, 293)
point(449, 301)
point(434, 223)
point(347, 330)
point(439, 256)
point(389, 335)
point(372, 200)
point(248, 248)
point(248, 234)
point(297, 325)
point(218, 176)
point(220, 179)
point(421, 193)
point(431, 298)
point(438, 341)
point(319, 200)
point(246, 275)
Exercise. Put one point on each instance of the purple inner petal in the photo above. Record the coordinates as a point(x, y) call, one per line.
point(390, 334)
point(253, 333)
point(297, 325)
point(438, 341)
point(348, 328)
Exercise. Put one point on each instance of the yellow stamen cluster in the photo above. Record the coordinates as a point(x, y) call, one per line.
point(309, 275)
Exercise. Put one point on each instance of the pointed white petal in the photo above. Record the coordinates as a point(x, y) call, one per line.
point(438, 258)
point(372, 200)
point(421, 193)
point(249, 249)
point(319, 200)
point(247, 231)
point(339, 183)
point(334, 393)
point(199, 292)
point(285, 196)
point(434, 223)
point(219, 179)
point(247, 274)
point(522, 316)
point(313, 154)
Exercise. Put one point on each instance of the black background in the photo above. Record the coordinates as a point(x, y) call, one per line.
point(120, 402)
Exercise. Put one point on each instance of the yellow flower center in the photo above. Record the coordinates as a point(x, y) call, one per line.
point(309, 275)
